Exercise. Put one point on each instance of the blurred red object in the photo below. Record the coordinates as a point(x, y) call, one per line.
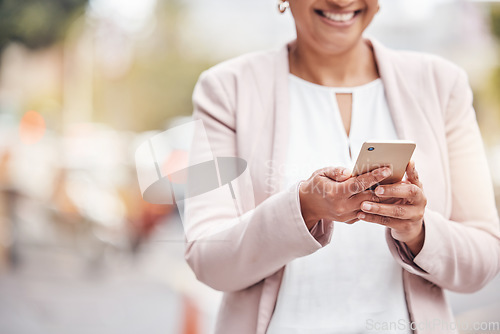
point(178, 160)
point(143, 216)
point(191, 319)
point(32, 128)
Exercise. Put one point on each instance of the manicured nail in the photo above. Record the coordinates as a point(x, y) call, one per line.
point(361, 216)
point(386, 172)
point(379, 190)
point(367, 206)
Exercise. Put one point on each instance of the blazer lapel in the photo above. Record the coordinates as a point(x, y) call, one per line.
point(396, 92)
point(281, 115)
point(280, 119)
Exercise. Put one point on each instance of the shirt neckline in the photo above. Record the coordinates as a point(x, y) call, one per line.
point(375, 82)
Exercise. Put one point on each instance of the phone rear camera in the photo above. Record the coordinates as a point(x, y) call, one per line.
point(371, 148)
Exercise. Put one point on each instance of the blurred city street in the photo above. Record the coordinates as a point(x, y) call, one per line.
point(53, 289)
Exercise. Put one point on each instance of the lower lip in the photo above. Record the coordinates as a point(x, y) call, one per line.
point(338, 24)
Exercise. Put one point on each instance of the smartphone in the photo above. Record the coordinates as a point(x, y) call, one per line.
point(395, 154)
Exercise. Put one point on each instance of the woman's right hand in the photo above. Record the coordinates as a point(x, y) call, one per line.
point(333, 194)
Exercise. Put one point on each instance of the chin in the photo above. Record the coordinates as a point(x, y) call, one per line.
point(338, 44)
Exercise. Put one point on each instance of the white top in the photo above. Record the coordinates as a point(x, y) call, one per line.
point(352, 285)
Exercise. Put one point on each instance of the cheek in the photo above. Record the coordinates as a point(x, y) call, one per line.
point(368, 18)
point(298, 7)
point(303, 20)
point(372, 4)
point(299, 11)
point(372, 9)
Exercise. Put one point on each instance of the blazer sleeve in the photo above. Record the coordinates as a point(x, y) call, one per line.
point(461, 253)
point(227, 251)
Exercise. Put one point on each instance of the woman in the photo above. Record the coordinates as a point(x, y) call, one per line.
point(341, 259)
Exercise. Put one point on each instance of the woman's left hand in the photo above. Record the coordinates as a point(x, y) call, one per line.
point(402, 209)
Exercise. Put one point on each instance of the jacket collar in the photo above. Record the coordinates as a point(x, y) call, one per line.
point(396, 91)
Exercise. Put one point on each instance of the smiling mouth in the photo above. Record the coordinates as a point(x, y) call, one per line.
point(338, 17)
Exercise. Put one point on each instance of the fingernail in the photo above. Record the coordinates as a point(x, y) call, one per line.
point(379, 190)
point(361, 216)
point(386, 172)
point(367, 206)
point(346, 172)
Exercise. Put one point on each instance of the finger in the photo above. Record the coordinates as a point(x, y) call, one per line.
point(392, 200)
point(400, 211)
point(352, 221)
point(367, 195)
point(383, 220)
point(348, 215)
point(362, 182)
point(412, 174)
point(339, 174)
point(402, 190)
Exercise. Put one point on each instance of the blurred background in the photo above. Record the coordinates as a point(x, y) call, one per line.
point(84, 82)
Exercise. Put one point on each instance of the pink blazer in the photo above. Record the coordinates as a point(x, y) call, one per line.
point(243, 104)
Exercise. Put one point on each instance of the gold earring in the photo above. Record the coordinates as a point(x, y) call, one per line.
point(283, 5)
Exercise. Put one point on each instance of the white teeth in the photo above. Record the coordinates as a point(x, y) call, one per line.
point(339, 17)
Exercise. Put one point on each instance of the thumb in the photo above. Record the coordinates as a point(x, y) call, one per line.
point(338, 174)
point(412, 174)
